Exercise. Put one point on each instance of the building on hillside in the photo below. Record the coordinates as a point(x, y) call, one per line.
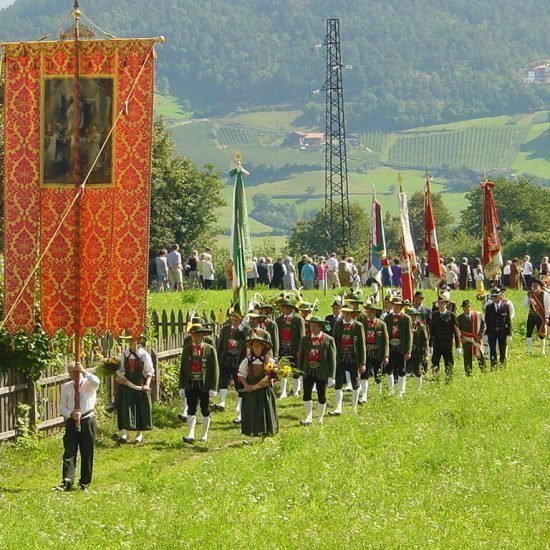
point(536, 73)
point(306, 139)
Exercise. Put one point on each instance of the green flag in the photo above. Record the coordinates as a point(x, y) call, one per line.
point(241, 251)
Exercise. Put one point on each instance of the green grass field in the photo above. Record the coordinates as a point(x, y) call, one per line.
point(463, 465)
point(169, 108)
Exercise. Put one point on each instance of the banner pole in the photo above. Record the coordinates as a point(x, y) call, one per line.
point(78, 206)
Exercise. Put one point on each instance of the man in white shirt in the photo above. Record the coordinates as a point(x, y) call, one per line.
point(175, 268)
point(77, 407)
point(333, 279)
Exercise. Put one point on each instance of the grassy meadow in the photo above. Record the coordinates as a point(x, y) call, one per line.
point(459, 465)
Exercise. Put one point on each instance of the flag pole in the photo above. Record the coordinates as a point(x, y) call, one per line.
point(240, 238)
point(76, 13)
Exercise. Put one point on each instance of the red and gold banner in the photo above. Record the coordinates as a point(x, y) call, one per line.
point(490, 246)
point(430, 235)
point(97, 281)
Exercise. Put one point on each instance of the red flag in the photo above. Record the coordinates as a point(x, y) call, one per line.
point(430, 235)
point(491, 247)
point(407, 278)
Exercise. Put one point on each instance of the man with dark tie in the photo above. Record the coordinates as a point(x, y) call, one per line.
point(498, 319)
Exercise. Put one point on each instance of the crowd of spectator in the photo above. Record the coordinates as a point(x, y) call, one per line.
point(197, 271)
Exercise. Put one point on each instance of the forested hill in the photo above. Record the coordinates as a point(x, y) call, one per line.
point(414, 61)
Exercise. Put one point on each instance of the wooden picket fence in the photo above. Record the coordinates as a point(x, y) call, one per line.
point(43, 397)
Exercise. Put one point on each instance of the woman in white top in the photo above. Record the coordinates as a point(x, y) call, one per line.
point(208, 271)
point(289, 281)
point(527, 272)
point(134, 398)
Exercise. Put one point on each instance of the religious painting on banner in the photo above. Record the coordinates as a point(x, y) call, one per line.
point(96, 121)
point(97, 281)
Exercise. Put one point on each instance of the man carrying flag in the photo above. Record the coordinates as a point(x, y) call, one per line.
point(378, 241)
point(430, 238)
point(240, 237)
point(491, 246)
point(407, 247)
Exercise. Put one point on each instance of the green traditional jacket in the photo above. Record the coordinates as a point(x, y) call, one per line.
point(298, 328)
point(223, 339)
point(327, 359)
point(358, 333)
point(402, 326)
point(273, 329)
point(420, 343)
point(382, 340)
point(210, 368)
point(260, 332)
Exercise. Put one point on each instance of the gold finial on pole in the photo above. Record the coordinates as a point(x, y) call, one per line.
point(238, 159)
point(400, 181)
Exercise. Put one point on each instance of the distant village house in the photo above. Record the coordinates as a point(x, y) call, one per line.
point(307, 139)
point(536, 73)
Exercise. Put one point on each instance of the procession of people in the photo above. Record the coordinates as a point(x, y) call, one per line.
point(385, 342)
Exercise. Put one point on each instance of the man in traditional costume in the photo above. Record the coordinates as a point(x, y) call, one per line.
point(498, 320)
point(387, 307)
point(187, 341)
point(400, 335)
point(134, 408)
point(444, 295)
point(418, 362)
point(318, 363)
point(538, 302)
point(335, 315)
point(377, 348)
point(259, 410)
point(230, 348)
point(77, 407)
point(424, 312)
point(349, 337)
point(291, 330)
point(472, 329)
point(443, 332)
point(199, 374)
point(270, 325)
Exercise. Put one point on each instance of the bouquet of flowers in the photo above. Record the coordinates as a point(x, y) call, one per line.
point(481, 295)
point(109, 366)
point(277, 370)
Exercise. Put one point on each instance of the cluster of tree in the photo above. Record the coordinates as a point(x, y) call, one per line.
point(413, 63)
point(523, 209)
point(277, 215)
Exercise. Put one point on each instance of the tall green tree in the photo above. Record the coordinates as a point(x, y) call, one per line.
point(184, 199)
point(309, 236)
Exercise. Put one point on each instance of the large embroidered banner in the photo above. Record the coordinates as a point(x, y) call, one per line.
point(94, 274)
